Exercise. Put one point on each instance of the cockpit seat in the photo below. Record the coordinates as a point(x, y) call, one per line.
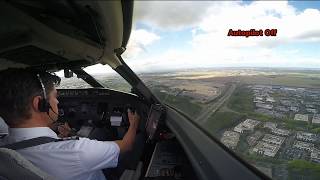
point(15, 167)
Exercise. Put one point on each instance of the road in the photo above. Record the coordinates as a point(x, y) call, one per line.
point(214, 106)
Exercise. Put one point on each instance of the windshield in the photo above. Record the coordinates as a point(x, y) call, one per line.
point(247, 72)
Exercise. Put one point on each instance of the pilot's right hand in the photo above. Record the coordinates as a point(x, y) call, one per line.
point(64, 130)
point(134, 118)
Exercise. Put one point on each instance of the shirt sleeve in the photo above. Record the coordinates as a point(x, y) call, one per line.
point(97, 155)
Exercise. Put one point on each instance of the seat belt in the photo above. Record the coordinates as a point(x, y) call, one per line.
point(35, 142)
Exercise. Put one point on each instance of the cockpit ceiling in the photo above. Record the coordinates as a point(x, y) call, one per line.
point(35, 33)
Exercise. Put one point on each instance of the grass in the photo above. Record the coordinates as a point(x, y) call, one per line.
point(296, 125)
point(241, 100)
point(182, 103)
point(255, 157)
point(222, 120)
point(297, 80)
point(303, 169)
point(316, 130)
point(243, 146)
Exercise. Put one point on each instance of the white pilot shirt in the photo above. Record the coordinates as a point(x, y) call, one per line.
point(73, 159)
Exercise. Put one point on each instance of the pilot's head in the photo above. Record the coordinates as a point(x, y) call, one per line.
point(28, 98)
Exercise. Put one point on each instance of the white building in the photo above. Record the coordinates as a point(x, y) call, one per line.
point(270, 125)
point(303, 145)
point(311, 110)
point(301, 117)
point(294, 108)
point(316, 119)
point(230, 139)
point(315, 155)
point(266, 149)
point(259, 98)
point(269, 138)
point(281, 132)
point(247, 125)
point(270, 99)
point(265, 106)
point(305, 136)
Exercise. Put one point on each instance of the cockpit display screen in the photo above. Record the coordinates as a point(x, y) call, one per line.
point(153, 120)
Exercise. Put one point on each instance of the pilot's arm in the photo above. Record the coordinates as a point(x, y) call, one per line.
point(128, 140)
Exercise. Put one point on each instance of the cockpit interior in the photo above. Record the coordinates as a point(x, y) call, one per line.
point(101, 114)
point(70, 35)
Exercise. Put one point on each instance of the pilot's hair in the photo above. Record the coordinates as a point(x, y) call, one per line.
point(18, 87)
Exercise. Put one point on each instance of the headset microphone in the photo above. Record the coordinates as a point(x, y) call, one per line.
point(59, 114)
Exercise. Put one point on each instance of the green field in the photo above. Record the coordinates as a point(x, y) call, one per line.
point(301, 169)
point(182, 103)
point(241, 100)
point(222, 120)
point(294, 79)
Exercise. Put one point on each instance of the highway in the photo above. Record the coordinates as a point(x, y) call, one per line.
point(214, 106)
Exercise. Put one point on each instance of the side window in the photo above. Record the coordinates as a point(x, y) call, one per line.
point(102, 73)
point(73, 83)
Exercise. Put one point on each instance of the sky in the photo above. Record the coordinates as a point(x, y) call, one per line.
point(170, 35)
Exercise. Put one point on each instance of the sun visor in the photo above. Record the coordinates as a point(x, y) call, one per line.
point(47, 32)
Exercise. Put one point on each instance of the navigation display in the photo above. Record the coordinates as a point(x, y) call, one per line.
point(153, 120)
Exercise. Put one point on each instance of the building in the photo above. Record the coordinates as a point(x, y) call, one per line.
point(265, 106)
point(272, 139)
point(294, 108)
point(230, 139)
point(309, 105)
point(253, 139)
point(278, 115)
point(301, 117)
point(270, 99)
point(264, 111)
point(301, 90)
point(289, 89)
point(303, 145)
point(311, 110)
point(266, 149)
point(281, 132)
point(305, 136)
point(286, 102)
point(276, 87)
point(270, 125)
point(282, 108)
point(247, 125)
point(316, 119)
point(315, 155)
point(258, 98)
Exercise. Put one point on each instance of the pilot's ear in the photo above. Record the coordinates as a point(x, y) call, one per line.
point(35, 103)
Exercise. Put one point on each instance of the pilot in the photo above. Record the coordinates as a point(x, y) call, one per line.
point(23, 95)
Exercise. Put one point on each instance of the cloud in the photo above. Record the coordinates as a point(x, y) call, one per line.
point(210, 22)
point(292, 26)
point(170, 15)
point(139, 39)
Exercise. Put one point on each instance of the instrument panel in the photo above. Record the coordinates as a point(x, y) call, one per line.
point(87, 92)
point(105, 108)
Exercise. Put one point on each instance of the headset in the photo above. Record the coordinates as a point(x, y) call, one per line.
point(43, 105)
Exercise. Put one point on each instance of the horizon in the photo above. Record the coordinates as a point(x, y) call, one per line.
point(60, 73)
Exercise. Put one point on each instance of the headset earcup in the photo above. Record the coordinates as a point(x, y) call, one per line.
point(43, 105)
